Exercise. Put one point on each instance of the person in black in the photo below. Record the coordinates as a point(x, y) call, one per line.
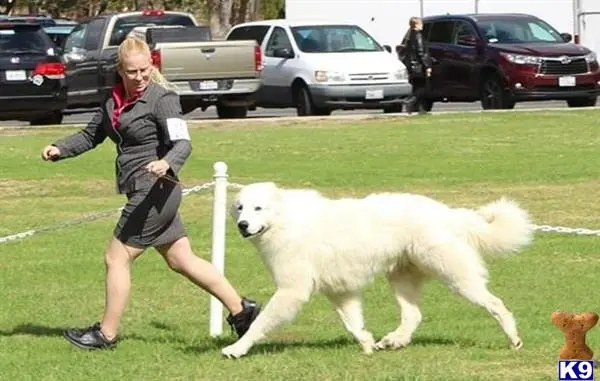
point(418, 64)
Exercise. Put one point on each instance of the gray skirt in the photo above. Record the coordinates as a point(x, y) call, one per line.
point(151, 216)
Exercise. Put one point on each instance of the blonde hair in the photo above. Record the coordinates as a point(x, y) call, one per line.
point(413, 21)
point(133, 44)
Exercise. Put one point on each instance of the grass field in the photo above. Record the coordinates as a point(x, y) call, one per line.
point(548, 161)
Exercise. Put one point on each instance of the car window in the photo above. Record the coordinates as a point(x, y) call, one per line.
point(540, 33)
point(94, 35)
point(124, 25)
point(249, 32)
point(334, 39)
point(518, 30)
point(441, 32)
point(278, 40)
point(76, 40)
point(463, 31)
point(426, 30)
point(23, 39)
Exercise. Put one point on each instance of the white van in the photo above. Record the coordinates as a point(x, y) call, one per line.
point(319, 67)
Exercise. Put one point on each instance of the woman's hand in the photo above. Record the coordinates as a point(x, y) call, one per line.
point(50, 153)
point(158, 167)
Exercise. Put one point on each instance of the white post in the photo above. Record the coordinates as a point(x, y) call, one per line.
point(218, 241)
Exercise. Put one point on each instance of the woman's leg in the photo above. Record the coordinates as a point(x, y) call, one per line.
point(117, 259)
point(181, 258)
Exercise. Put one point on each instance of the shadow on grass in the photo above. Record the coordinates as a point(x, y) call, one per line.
point(279, 345)
point(33, 330)
point(274, 345)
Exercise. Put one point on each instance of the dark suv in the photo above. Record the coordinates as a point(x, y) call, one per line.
point(501, 59)
point(32, 76)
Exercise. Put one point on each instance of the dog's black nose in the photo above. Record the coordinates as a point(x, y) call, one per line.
point(243, 225)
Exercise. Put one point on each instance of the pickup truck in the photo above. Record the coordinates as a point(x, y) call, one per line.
point(203, 72)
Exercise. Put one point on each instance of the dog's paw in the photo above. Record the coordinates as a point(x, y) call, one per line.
point(517, 345)
point(234, 351)
point(392, 340)
point(368, 346)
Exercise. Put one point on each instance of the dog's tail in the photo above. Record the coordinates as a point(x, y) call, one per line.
point(500, 227)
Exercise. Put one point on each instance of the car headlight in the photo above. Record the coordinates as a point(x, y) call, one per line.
point(401, 74)
point(591, 58)
point(522, 59)
point(329, 76)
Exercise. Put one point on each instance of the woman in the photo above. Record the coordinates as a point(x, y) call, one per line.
point(144, 119)
point(418, 64)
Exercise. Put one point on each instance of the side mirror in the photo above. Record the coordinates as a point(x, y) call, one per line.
point(388, 48)
point(283, 53)
point(467, 41)
point(567, 37)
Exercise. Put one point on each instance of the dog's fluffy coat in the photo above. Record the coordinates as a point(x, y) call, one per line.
point(311, 243)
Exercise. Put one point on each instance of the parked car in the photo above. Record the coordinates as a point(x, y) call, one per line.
point(32, 76)
point(501, 59)
point(319, 67)
point(203, 72)
point(225, 74)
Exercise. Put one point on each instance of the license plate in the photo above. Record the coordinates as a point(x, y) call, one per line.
point(209, 85)
point(16, 75)
point(374, 94)
point(566, 81)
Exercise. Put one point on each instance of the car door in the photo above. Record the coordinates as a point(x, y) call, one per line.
point(463, 60)
point(439, 39)
point(278, 68)
point(92, 64)
point(74, 57)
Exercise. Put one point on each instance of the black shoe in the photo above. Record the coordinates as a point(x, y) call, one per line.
point(89, 338)
point(242, 320)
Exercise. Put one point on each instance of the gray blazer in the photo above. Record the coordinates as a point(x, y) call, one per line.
point(150, 129)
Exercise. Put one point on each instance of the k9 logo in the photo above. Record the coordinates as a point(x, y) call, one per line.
point(571, 370)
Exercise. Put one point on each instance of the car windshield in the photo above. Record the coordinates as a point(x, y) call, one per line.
point(334, 39)
point(124, 25)
point(518, 31)
point(22, 40)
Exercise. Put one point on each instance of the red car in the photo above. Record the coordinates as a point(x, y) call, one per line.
point(501, 59)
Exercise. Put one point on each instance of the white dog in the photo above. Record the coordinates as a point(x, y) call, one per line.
point(311, 243)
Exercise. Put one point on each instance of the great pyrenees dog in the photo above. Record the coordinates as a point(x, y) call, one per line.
point(311, 243)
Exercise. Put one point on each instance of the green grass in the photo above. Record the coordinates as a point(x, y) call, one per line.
point(548, 161)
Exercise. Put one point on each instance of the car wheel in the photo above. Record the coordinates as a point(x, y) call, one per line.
point(582, 102)
point(397, 108)
point(55, 117)
point(427, 105)
point(228, 112)
point(494, 96)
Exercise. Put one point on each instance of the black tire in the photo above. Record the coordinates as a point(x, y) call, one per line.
point(582, 102)
point(427, 105)
point(55, 117)
point(304, 104)
point(397, 108)
point(228, 112)
point(493, 94)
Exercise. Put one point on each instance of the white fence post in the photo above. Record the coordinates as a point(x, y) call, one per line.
point(218, 241)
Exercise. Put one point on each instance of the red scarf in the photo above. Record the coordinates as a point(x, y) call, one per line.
point(118, 95)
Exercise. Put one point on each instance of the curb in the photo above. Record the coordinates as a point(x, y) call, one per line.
point(279, 119)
